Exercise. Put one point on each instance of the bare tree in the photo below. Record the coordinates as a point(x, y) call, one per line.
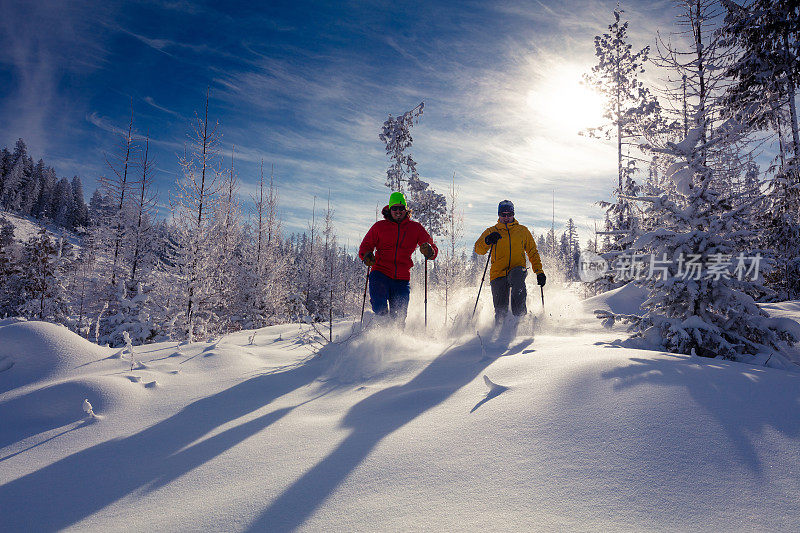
point(454, 230)
point(310, 258)
point(192, 209)
point(330, 262)
point(226, 245)
point(143, 209)
point(269, 262)
point(116, 188)
point(695, 79)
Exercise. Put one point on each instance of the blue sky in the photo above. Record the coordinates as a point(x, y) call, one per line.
point(306, 86)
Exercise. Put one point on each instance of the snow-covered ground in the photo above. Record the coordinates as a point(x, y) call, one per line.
point(27, 227)
point(395, 431)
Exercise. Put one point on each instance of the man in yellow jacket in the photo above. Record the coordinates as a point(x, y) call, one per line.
point(509, 241)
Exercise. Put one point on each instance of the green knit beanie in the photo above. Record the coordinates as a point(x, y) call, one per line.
point(397, 198)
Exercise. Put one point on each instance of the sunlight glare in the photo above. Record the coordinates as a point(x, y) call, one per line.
point(563, 103)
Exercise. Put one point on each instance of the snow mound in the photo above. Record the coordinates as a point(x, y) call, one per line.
point(788, 309)
point(52, 406)
point(11, 320)
point(787, 315)
point(32, 351)
point(626, 300)
point(587, 433)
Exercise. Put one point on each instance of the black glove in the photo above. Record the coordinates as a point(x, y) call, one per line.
point(369, 259)
point(492, 238)
point(426, 250)
point(541, 279)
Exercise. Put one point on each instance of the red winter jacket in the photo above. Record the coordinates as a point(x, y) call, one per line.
point(395, 242)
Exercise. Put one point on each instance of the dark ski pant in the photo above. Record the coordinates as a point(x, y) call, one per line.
point(389, 296)
point(514, 283)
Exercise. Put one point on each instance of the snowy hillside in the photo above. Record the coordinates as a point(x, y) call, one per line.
point(25, 228)
point(555, 427)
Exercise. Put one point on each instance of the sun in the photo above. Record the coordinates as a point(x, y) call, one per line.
point(561, 102)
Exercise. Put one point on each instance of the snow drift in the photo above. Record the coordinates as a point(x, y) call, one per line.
point(557, 427)
point(33, 351)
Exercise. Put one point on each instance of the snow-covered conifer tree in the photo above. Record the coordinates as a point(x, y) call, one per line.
point(169, 279)
point(38, 195)
point(550, 243)
point(765, 69)
point(132, 316)
point(709, 312)
point(541, 244)
point(629, 110)
point(100, 209)
point(83, 290)
point(765, 73)
point(20, 186)
point(427, 205)
point(704, 274)
point(5, 168)
point(11, 290)
point(569, 251)
point(79, 217)
point(43, 264)
point(396, 134)
point(62, 204)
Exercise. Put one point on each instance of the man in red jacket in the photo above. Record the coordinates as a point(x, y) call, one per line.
point(387, 248)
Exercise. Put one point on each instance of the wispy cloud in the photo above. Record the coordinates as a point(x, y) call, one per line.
point(104, 124)
point(149, 100)
point(481, 127)
point(525, 150)
point(120, 134)
point(170, 46)
point(309, 96)
point(404, 53)
point(41, 43)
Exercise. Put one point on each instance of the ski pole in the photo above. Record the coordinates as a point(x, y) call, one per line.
point(482, 278)
point(426, 293)
point(364, 301)
point(542, 289)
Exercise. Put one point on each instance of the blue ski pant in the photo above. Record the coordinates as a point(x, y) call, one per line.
point(389, 296)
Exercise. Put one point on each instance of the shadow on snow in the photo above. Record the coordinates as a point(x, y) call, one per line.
point(371, 420)
point(743, 399)
point(74, 488)
point(65, 492)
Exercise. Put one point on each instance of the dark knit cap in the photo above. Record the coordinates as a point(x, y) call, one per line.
point(505, 207)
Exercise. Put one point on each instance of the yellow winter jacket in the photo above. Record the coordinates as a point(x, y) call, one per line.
point(510, 250)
